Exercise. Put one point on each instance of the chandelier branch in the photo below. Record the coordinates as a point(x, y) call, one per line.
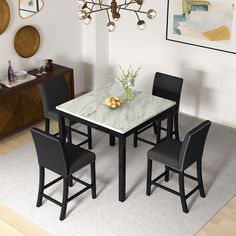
point(120, 8)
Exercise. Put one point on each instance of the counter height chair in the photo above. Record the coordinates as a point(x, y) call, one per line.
point(168, 87)
point(63, 159)
point(53, 93)
point(177, 157)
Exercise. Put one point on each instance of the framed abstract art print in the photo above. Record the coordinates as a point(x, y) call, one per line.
point(205, 23)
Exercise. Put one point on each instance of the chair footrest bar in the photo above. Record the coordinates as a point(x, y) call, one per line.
point(145, 128)
point(52, 182)
point(186, 175)
point(191, 192)
point(159, 177)
point(81, 181)
point(162, 139)
point(52, 199)
point(190, 177)
point(82, 143)
point(79, 132)
point(166, 188)
point(163, 128)
point(77, 194)
point(146, 141)
point(56, 134)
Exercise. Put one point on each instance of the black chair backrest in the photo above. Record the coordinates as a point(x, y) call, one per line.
point(53, 92)
point(50, 152)
point(167, 86)
point(193, 145)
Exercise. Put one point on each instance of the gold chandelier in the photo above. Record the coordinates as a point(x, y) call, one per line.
point(87, 7)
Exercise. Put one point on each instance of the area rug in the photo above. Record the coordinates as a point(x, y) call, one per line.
point(159, 214)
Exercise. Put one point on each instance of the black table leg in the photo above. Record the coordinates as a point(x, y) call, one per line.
point(170, 125)
point(90, 144)
point(112, 140)
point(62, 127)
point(122, 168)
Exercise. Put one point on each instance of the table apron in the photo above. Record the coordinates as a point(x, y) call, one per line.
point(160, 116)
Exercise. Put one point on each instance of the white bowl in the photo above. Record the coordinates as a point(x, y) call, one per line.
point(21, 74)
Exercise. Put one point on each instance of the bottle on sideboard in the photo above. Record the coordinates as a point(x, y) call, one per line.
point(11, 74)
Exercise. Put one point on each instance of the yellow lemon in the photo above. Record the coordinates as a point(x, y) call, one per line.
point(107, 100)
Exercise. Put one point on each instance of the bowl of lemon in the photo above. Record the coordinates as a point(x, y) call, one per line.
point(113, 102)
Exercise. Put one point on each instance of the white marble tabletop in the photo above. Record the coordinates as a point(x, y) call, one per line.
point(90, 107)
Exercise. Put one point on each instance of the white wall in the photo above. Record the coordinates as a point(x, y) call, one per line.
point(209, 76)
point(61, 38)
point(96, 52)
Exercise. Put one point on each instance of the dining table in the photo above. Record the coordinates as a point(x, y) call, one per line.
point(91, 110)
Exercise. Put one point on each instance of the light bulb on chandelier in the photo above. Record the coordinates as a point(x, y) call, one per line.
point(141, 24)
point(87, 20)
point(111, 26)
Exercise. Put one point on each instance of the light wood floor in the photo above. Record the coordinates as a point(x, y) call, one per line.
point(12, 224)
point(21, 138)
point(222, 224)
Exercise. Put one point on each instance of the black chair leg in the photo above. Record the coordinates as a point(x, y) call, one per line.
point(90, 144)
point(69, 134)
point(47, 125)
point(112, 140)
point(70, 181)
point(135, 139)
point(149, 177)
point(65, 198)
point(176, 126)
point(93, 180)
point(167, 173)
point(182, 192)
point(158, 130)
point(155, 127)
point(41, 186)
point(200, 181)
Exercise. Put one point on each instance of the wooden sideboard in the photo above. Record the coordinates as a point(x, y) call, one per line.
point(21, 106)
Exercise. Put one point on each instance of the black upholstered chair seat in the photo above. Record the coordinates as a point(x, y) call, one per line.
point(78, 157)
point(166, 152)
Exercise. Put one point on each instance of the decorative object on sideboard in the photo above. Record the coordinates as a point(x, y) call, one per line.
point(39, 66)
point(27, 41)
point(49, 65)
point(113, 11)
point(4, 15)
point(28, 8)
point(126, 80)
point(10, 73)
point(44, 64)
point(22, 74)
